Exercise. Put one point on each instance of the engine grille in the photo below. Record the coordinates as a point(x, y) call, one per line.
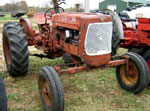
point(98, 39)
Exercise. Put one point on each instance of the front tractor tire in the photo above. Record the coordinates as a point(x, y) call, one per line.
point(3, 96)
point(15, 47)
point(136, 78)
point(50, 89)
point(146, 56)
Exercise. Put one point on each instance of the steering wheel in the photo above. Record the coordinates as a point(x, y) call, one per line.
point(46, 15)
point(60, 9)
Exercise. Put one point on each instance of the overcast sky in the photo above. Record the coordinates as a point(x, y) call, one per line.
point(93, 3)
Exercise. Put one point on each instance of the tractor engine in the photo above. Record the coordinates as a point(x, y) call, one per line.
point(86, 36)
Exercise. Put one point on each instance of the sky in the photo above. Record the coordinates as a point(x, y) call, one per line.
point(93, 3)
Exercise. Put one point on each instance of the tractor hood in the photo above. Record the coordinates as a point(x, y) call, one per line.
point(73, 20)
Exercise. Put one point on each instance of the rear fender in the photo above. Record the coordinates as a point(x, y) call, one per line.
point(117, 21)
point(27, 26)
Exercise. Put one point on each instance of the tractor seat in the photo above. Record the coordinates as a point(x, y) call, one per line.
point(128, 19)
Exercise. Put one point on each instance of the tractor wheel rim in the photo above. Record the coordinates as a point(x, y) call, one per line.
point(130, 77)
point(7, 50)
point(148, 63)
point(45, 92)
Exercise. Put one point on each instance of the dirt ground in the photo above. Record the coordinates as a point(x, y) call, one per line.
point(2, 65)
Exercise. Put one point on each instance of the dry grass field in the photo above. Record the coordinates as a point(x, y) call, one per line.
point(87, 91)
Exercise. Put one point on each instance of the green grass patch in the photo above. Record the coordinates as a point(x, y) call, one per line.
point(97, 90)
point(7, 17)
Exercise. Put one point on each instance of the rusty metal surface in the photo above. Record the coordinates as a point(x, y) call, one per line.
point(92, 60)
point(27, 25)
point(28, 29)
point(74, 70)
point(97, 60)
point(7, 50)
point(40, 18)
point(129, 76)
point(116, 63)
point(68, 48)
point(74, 20)
point(52, 40)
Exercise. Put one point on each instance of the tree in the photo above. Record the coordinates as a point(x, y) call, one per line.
point(10, 7)
point(15, 6)
point(23, 6)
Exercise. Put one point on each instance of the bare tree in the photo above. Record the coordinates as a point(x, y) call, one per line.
point(8, 7)
point(23, 6)
point(15, 6)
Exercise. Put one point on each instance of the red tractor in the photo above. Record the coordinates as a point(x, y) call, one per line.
point(137, 37)
point(89, 40)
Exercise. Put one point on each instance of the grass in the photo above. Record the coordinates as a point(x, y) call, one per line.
point(7, 17)
point(96, 90)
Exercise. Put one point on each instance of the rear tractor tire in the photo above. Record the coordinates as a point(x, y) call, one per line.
point(136, 78)
point(50, 89)
point(15, 47)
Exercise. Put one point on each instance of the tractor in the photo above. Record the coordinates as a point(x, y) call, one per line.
point(137, 37)
point(88, 40)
